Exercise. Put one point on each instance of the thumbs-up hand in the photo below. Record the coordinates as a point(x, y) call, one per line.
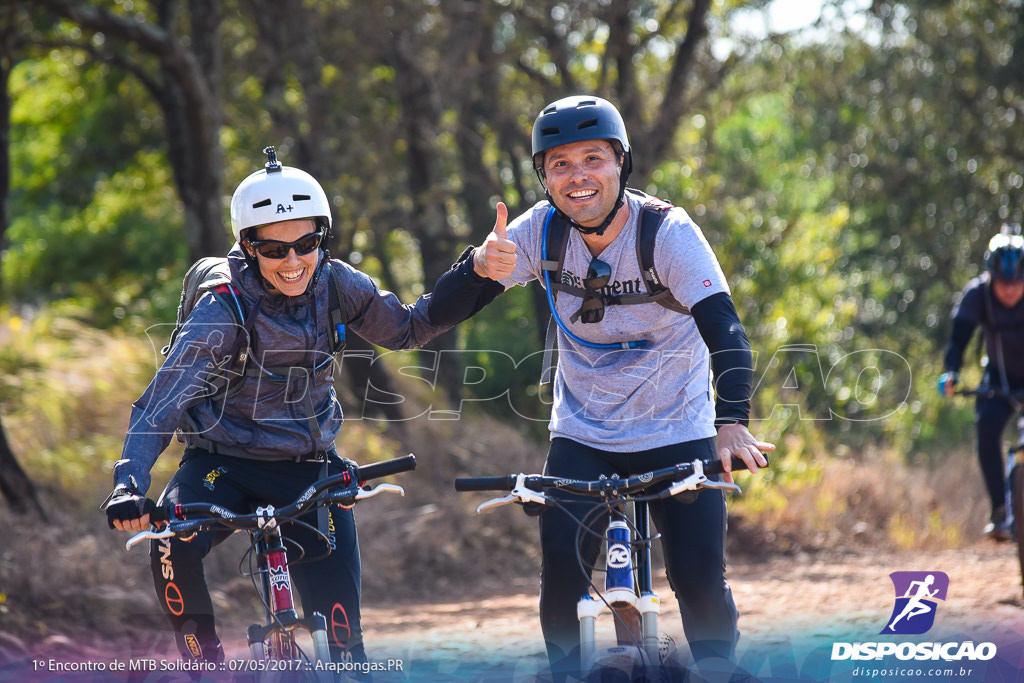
point(496, 257)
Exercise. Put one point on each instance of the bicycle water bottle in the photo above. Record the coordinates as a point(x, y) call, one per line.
point(618, 582)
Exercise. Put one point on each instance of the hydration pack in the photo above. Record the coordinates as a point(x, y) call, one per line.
point(651, 216)
point(212, 276)
point(557, 241)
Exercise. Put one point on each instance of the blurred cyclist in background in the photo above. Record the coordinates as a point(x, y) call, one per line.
point(993, 301)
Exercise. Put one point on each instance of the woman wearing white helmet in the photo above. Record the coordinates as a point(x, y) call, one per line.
point(281, 201)
point(262, 435)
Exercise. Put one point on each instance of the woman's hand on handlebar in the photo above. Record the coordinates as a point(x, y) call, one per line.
point(736, 440)
point(127, 509)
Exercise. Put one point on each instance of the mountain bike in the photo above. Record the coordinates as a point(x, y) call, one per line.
point(275, 652)
point(1014, 468)
point(628, 594)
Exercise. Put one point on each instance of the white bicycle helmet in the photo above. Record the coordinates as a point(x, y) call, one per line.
point(277, 193)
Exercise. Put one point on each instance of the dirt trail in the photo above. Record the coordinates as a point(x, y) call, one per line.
point(787, 605)
point(792, 610)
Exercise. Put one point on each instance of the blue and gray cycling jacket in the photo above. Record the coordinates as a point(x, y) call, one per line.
point(284, 406)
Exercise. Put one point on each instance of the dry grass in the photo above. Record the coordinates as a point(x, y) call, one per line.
point(73, 576)
point(873, 500)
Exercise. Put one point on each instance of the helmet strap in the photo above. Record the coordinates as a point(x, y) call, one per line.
point(627, 170)
point(599, 230)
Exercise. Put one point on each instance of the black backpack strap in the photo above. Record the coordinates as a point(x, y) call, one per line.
point(229, 296)
point(557, 243)
point(239, 365)
point(651, 217)
point(336, 310)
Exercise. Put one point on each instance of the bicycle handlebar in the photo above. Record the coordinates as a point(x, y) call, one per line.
point(376, 470)
point(180, 518)
point(538, 482)
point(505, 483)
point(990, 392)
point(686, 476)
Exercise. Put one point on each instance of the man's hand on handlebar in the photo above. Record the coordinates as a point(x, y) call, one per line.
point(947, 383)
point(736, 440)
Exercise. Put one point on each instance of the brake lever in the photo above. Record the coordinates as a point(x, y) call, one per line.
point(363, 494)
point(693, 482)
point(520, 494)
point(699, 480)
point(722, 485)
point(147, 535)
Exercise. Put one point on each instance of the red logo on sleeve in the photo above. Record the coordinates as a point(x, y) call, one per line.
point(707, 283)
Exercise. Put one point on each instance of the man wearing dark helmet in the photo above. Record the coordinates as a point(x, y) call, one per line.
point(632, 389)
point(993, 302)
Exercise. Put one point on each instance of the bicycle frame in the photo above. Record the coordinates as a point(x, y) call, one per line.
point(274, 639)
point(629, 597)
point(628, 590)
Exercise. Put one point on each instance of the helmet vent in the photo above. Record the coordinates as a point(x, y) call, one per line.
point(300, 197)
point(586, 103)
point(553, 130)
point(261, 204)
point(589, 123)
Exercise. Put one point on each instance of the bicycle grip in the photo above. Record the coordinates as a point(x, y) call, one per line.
point(159, 513)
point(504, 483)
point(375, 470)
point(714, 466)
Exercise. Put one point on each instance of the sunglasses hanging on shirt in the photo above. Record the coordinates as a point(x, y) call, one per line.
point(597, 271)
point(599, 274)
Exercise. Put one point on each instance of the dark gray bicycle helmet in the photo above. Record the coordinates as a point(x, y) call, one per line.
point(575, 119)
point(1004, 258)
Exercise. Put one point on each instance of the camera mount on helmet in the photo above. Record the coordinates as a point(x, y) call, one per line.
point(272, 165)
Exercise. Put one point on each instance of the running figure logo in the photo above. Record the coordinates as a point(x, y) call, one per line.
point(917, 594)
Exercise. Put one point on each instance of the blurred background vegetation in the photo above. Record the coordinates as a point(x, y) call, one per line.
point(848, 169)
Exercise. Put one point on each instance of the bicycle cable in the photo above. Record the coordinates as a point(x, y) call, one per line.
point(583, 525)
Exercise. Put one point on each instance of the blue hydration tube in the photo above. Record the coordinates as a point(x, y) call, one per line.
point(638, 343)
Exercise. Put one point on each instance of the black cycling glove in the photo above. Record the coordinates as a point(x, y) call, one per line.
point(534, 509)
point(125, 503)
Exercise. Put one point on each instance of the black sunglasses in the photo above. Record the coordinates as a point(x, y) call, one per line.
point(278, 250)
point(599, 274)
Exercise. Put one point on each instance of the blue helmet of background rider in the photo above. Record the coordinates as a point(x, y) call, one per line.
point(576, 119)
point(1004, 258)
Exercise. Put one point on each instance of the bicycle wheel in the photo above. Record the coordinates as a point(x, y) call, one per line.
point(1017, 494)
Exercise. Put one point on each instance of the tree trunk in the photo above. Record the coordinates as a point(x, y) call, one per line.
point(420, 116)
point(17, 489)
point(15, 486)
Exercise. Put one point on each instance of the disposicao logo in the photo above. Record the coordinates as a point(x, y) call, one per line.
point(917, 596)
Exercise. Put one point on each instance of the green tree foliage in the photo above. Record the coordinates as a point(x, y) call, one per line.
point(847, 175)
point(95, 217)
point(913, 118)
